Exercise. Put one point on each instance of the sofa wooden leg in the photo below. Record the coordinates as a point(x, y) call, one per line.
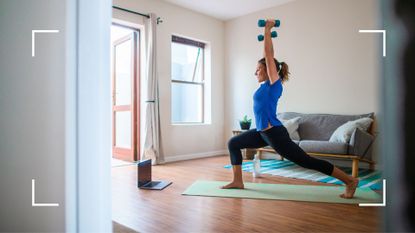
point(355, 168)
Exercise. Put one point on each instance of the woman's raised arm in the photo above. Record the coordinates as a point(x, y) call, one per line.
point(269, 53)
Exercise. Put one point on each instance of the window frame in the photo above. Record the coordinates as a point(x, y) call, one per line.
point(200, 45)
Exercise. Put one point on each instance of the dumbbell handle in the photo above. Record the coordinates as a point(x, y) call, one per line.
point(261, 23)
point(273, 35)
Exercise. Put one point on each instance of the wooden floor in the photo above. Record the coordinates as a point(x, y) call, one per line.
point(169, 211)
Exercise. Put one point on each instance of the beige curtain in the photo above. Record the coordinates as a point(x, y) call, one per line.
point(152, 118)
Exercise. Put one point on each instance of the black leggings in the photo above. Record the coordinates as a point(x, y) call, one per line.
point(277, 137)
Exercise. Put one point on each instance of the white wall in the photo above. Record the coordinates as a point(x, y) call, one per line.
point(184, 141)
point(334, 69)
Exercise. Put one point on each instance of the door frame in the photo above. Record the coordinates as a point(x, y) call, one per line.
point(132, 154)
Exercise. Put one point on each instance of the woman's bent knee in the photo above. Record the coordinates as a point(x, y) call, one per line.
point(233, 143)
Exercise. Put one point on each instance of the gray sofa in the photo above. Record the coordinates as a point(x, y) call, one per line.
point(315, 131)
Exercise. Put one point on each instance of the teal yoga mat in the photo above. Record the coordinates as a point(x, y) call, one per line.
point(310, 193)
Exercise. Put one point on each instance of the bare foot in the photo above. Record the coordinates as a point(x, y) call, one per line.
point(350, 189)
point(234, 185)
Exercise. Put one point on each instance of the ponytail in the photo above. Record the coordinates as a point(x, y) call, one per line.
point(282, 69)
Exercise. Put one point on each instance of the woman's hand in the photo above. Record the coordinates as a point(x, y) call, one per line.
point(269, 24)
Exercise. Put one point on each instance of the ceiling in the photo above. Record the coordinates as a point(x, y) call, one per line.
point(227, 9)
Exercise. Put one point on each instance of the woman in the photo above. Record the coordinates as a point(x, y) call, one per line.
point(270, 130)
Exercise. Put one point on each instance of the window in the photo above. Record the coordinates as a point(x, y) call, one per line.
point(188, 83)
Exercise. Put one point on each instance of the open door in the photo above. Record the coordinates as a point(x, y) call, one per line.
point(125, 110)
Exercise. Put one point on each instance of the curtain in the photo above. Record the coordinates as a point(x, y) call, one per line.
point(152, 118)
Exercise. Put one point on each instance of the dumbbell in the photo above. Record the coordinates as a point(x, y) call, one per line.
point(273, 35)
point(261, 23)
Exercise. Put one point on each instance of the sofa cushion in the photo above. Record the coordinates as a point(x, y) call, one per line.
point(319, 126)
point(345, 131)
point(324, 147)
point(292, 127)
point(361, 144)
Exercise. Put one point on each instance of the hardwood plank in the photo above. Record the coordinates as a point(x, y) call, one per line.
point(169, 211)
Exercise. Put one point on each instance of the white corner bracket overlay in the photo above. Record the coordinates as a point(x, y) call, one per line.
point(384, 37)
point(383, 204)
point(39, 31)
point(40, 204)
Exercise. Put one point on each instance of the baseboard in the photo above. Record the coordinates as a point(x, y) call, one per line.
point(176, 158)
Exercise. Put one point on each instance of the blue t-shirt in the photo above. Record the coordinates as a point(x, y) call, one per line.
point(265, 104)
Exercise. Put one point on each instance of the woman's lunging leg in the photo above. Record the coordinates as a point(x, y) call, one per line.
point(281, 142)
point(248, 139)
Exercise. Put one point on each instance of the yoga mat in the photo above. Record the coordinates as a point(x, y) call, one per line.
point(311, 193)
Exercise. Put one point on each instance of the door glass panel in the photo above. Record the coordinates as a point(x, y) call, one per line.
point(123, 129)
point(123, 73)
point(119, 32)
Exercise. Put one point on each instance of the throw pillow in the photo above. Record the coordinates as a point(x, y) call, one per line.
point(292, 127)
point(345, 131)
